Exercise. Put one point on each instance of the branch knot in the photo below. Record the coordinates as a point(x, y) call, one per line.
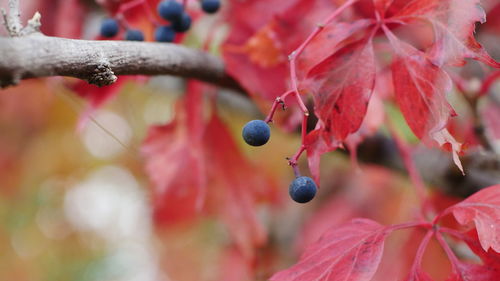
point(103, 75)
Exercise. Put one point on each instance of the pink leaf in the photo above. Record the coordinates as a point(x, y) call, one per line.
point(490, 258)
point(476, 272)
point(489, 270)
point(453, 23)
point(445, 139)
point(482, 208)
point(350, 252)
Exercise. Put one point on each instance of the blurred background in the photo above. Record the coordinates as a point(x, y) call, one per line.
point(76, 202)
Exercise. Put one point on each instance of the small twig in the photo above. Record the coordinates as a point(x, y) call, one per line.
point(33, 25)
point(12, 19)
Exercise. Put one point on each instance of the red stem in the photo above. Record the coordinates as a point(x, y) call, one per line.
point(451, 256)
point(488, 82)
point(293, 161)
point(304, 128)
point(296, 171)
point(453, 232)
point(269, 118)
point(409, 225)
point(417, 263)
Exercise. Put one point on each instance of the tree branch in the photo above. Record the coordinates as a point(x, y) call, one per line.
point(99, 62)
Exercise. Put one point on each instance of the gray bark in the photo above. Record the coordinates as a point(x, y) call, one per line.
point(100, 62)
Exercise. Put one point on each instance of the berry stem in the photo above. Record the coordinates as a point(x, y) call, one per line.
point(276, 103)
point(279, 100)
point(294, 82)
point(296, 171)
point(293, 161)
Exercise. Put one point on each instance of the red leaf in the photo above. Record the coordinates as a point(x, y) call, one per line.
point(54, 12)
point(332, 38)
point(374, 118)
point(238, 184)
point(420, 89)
point(482, 208)
point(175, 163)
point(98, 96)
point(488, 271)
point(454, 23)
point(350, 252)
point(342, 86)
point(197, 170)
point(489, 258)
point(493, 17)
point(381, 6)
point(263, 33)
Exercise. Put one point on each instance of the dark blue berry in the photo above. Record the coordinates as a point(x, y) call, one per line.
point(302, 189)
point(134, 35)
point(256, 133)
point(210, 6)
point(183, 24)
point(164, 34)
point(170, 10)
point(109, 28)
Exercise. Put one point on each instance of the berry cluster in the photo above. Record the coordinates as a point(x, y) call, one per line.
point(257, 133)
point(170, 10)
